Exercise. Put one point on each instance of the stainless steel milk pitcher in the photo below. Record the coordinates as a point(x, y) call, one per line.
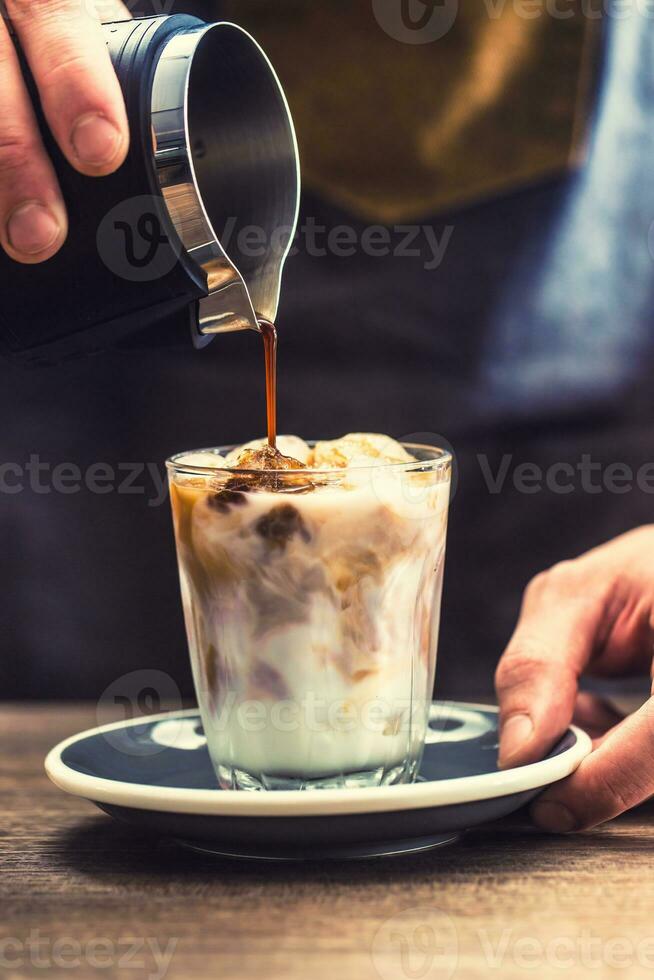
point(195, 226)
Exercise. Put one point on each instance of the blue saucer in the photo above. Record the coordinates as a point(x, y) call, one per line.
point(155, 773)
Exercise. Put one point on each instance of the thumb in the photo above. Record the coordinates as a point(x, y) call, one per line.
point(536, 679)
point(619, 774)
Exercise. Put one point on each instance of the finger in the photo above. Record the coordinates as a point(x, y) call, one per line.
point(536, 679)
point(617, 728)
point(78, 88)
point(33, 221)
point(616, 776)
point(626, 645)
point(595, 715)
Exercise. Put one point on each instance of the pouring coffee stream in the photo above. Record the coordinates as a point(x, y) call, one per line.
point(269, 334)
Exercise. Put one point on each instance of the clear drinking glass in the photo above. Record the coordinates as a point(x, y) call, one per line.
point(312, 605)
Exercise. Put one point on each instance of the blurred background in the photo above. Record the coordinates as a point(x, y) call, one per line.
point(490, 163)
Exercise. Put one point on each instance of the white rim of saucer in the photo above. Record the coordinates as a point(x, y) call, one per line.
point(305, 803)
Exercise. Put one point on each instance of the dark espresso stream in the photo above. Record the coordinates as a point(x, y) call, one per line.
point(269, 334)
point(268, 457)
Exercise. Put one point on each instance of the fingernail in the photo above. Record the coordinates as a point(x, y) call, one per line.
point(554, 817)
point(31, 228)
point(515, 732)
point(95, 140)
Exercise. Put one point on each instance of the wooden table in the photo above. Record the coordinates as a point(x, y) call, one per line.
point(84, 897)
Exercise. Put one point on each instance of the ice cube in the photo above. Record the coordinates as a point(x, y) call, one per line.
point(291, 446)
point(268, 462)
point(206, 458)
point(358, 449)
point(266, 458)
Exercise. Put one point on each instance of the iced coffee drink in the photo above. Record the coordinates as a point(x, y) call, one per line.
point(311, 582)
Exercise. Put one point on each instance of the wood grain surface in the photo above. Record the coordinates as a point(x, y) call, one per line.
point(82, 896)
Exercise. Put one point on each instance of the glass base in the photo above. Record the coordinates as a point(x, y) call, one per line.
point(229, 777)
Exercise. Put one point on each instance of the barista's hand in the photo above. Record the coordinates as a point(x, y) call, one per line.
point(591, 615)
point(83, 105)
